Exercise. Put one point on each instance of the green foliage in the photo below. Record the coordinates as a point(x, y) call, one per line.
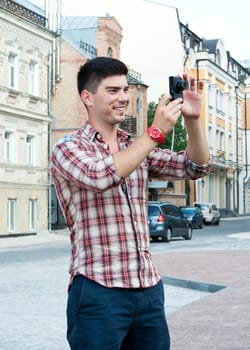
point(180, 133)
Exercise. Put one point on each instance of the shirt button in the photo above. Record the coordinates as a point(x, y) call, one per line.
point(105, 146)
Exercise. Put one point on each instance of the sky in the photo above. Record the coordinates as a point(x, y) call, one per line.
point(214, 19)
point(211, 19)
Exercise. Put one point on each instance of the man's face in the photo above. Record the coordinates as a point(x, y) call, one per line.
point(110, 101)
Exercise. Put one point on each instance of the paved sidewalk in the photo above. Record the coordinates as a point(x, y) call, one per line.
point(43, 236)
point(218, 321)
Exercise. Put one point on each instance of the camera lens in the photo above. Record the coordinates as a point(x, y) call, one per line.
point(180, 85)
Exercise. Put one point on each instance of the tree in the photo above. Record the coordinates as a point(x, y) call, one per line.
point(179, 133)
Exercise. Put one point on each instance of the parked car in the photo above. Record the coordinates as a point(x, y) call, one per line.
point(166, 220)
point(194, 216)
point(210, 212)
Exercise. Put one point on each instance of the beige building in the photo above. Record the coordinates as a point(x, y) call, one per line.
point(224, 119)
point(25, 47)
point(84, 38)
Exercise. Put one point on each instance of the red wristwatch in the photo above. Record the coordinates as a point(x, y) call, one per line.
point(156, 134)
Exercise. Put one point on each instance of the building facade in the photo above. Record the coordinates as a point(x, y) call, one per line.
point(224, 119)
point(25, 48)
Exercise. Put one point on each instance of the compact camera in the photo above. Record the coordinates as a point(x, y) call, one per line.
point(176, 87)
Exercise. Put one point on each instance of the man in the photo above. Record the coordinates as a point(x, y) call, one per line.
point(116, 298)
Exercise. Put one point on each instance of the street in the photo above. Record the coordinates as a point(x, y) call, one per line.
point(232, 233)
point(34, 280)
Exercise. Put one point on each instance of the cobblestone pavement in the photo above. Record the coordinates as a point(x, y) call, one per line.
point(33, 298)
point(33, 294)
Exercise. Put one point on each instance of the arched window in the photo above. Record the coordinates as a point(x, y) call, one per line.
point(110, 52)
point(218, 57)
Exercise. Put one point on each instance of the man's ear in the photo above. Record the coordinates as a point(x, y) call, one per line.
point(86, 97)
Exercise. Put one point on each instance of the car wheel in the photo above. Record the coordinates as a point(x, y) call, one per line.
point(167, 235)
point(189, 234)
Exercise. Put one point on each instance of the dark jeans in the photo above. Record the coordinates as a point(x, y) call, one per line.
point(101, 318)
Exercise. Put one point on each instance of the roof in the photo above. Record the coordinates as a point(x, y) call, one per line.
point(134, 81)
point(80, 32)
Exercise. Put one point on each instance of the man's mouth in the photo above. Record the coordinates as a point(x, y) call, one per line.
point(120, 108)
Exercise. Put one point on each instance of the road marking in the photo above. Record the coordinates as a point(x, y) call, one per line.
point(242, 235)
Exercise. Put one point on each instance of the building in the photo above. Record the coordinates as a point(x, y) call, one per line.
point(83, 38)
point(26, 46)
point(225, 120)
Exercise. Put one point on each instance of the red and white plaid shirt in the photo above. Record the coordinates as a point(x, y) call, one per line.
point(106, 214)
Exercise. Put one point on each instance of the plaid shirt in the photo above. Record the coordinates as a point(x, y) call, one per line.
point(106, 214)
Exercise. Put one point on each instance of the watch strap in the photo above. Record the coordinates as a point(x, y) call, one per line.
point(156, 134)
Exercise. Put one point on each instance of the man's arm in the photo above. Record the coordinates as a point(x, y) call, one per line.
point(166, 115)
point(165, 118)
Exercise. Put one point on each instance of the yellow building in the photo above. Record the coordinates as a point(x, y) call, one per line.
point(224, 116)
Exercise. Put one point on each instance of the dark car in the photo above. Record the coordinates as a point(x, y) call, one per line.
point(166, 220)
point(194, 216)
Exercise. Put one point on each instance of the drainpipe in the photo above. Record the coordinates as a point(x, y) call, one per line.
point(246, 154)
point(237, 148)
point(50, 129)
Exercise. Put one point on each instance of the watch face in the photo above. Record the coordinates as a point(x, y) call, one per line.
point(155, 132)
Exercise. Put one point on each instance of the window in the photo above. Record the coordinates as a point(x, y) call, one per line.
point(110, 52)
point(12, 215)
point(33, 78)
point(218, 57)
point(210, 136)
point(222, 141)
point(217, 140)
point(12, 60)
point(210, 96)
point(32, 214)
point(8, 140)
point(230, 146)
point(30, 149)
point(219, 99)
point(171, 211)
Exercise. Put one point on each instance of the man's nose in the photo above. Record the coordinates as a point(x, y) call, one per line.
point(124, 96)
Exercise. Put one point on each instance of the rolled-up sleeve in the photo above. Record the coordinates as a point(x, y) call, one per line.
point(175, 165)
point(83, 167)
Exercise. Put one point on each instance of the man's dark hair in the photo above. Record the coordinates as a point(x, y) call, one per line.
point(95, 70)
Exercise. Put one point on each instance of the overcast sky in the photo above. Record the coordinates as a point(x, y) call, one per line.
point(212, 19)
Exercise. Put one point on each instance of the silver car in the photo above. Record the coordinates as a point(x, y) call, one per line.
point(210, 212)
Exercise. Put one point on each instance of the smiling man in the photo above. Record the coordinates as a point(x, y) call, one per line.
point(116, 298)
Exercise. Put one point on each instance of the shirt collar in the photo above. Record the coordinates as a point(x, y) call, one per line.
point(89, 132)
